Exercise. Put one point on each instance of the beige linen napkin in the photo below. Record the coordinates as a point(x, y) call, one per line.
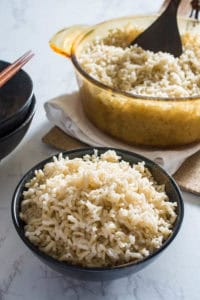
point(66, 112)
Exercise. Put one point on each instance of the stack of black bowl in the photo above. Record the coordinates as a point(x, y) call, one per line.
point(17, 108)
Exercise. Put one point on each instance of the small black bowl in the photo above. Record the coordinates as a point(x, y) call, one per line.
point(15, 100)
point(105, 273)
point(10, 141)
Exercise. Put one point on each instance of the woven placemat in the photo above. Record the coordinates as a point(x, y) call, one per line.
point(188, 175)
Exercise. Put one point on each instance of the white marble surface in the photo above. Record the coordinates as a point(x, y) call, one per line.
point(27, 24)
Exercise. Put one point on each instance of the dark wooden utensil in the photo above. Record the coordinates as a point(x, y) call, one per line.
point(163, 35)
point(195, 9)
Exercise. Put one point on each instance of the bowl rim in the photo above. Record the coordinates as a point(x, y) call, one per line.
point(16, 200)
point(30, 114)
point(29, 98)
point(116, 91)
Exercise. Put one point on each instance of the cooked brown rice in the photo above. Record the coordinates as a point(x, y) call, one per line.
point(111, 61)
point(96, 211)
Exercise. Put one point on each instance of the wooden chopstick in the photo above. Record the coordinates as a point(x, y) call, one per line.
point(14, 64)
point(12, 69)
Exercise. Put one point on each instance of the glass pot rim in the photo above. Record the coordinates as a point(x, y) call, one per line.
point(116, 91)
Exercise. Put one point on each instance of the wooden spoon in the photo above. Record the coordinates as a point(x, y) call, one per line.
point(163, 35)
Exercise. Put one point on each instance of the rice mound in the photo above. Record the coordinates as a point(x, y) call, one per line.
point(96, 211)
point(113, 62)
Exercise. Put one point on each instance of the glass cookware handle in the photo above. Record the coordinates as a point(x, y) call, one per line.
point(62, 42)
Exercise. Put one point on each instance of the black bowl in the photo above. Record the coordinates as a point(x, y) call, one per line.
point(10, 141)
point(15, 100)
point(105, 273)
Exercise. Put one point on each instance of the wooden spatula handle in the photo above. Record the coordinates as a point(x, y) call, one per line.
point(184, 8)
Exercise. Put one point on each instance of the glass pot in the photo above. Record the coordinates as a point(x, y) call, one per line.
point(141, 120)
